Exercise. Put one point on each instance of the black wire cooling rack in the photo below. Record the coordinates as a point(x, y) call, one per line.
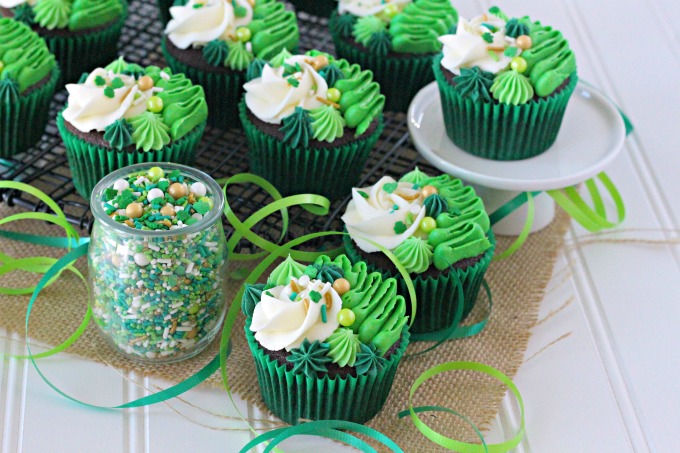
point(220, 153)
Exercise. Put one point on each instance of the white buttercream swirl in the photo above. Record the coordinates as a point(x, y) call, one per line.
point(271, 97)
point(198, 26)
point(467, 48)
point(13, 3)
point(373, 219)
point(280, 323)
point(367, 7)
point(90, 109)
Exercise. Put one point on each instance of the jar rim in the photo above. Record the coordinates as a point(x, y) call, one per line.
point(199, 176)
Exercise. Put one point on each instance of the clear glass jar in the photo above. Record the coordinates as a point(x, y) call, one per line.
point(158, 296)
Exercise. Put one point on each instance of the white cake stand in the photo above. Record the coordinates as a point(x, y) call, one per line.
point(591, 136)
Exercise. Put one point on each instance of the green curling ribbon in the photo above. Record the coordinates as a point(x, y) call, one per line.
point(452, 444)
point(593, 219)
point(524, 234)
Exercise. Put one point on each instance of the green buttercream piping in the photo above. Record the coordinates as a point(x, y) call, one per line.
point(344, 26)
point(496, 11)
point(273, 28)
point(185, 105)
point(550, 61)
point(251, 296)
point(331, 74)
point(280, 58)
point(327, 273)
point(419, 25)
point(366, 27)
point(297, 128)
point(369, 361)
point(515, 28)
point(93, 13)
point(25, 55)
point(24, 13)
point(343, 346)
point(327, 123)
point(361, 101)
point(117, 66)
point(216, 52)
point(474, 83)
point(52, 14)
point(511, 87)
point(238, 57)
point(285, 271)
point(118, 134)
point(414, 177)
point(434, 205)
point(255, 69)
point(355, 274)
point(467, 241)
point(149, 132)
point(414, 254)
point(134, 70)
point(309, 359)
point(380, 44)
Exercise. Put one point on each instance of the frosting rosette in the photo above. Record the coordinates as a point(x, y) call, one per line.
point(93, 107)
point(480, 42)
point(287, 315)
point(385, 214)
point(198, 22)
point(278, 91)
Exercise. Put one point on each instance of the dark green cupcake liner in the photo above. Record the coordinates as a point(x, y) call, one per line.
point(400, 77)
point(321, 8)
point(222, 90)
point(89, 163)
point(502, 131)
point(294, 396)
point(437, 297)
point(164, 10)
point(83, 52)
point(22, 123)
point(331, 172)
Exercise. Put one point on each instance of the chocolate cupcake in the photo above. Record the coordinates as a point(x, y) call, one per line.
point(125, 114)
point(311, 121)
point(213, 42)
point(438, 230)
point(28, 78)
point(326, 338)
point(82, 34)
point(395, 40)
point(504, 84)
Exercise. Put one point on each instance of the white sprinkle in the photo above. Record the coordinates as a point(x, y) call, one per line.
point(166, 273)
point(197, 216)
point(145, 306)
point(167, 318)
point(140, 284)
point(166, 332)
point(210, 244)
point(136, 194)
point(120, 212)
point(164, 76)
point(121, 184)
point(141, 259)
point(122, 275)
point(166, 261)
point(155, 248)
point(190, 267)
point(179, 208)
point(154, 193)
point(122, 250)
point(304, 280)
point(184, 329)
point(149, 354)
point(199, 189)
point(177, 304)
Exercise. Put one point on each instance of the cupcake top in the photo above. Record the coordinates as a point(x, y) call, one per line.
point(73, 15)
point(154, 199)
point(232, 33)
point(327, 312)
point(144, 108)
point(423, 220)
point(512, 60)
point(402, 26)
point(313, 97)
point(25, 59)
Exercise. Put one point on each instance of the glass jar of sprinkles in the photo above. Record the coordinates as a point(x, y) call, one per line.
point(157, 261)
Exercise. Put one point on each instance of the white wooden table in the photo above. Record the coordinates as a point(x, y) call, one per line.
point(610, 386)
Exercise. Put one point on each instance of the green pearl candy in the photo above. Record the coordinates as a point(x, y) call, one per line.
point(156, 173)
point(427, 225)
point(391, 10)
point(154, 104)
point(208, 201)
point(243, 34)
point(346, 317)
point(333, 95)
point(519, 64)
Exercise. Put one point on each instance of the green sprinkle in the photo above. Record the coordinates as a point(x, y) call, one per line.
point(117, 83)
point(109, 93)
point(198, 5)
point(163, 185)
point(323, 313)
point(201, 207)
point(488, 37)
point(269, 294)
point(99, 81)
point(121, 218)
point(492, 28)
point(362, 193)
point(399, 227)
point(110, 194)
point(510, 52)
point(292, 81)
point(191, 221)
point(315, 296)
point(493, 55)
point(390, 187)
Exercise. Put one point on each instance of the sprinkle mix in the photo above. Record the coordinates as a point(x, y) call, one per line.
point(158, 298)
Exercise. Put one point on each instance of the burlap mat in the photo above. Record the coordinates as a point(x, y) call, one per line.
point(518, 285)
